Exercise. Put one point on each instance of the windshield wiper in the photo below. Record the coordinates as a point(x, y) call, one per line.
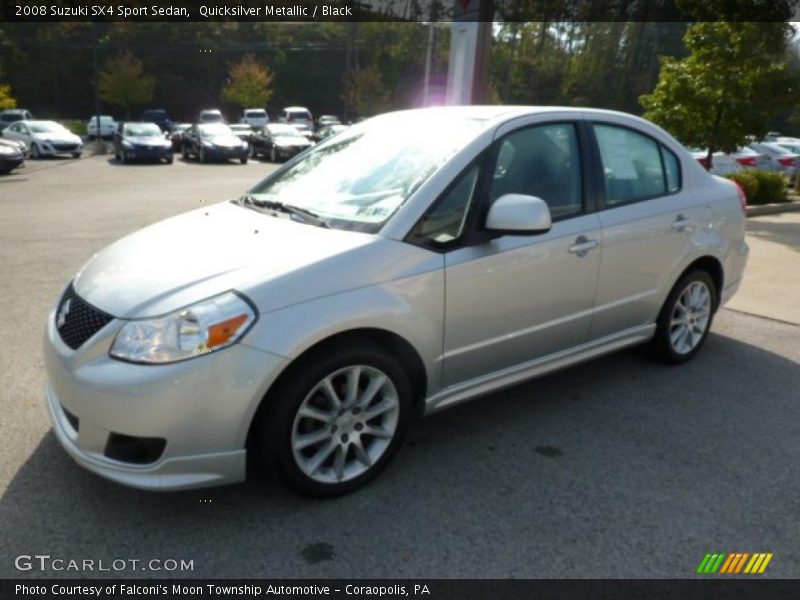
point(303, 214)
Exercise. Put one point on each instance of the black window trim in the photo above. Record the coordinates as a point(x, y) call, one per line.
point(473, 232)
point(599, 175)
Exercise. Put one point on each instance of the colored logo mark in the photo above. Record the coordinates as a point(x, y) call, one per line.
point(736, 562)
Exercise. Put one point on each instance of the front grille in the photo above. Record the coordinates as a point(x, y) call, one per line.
point(76, 320)
point(65, 147)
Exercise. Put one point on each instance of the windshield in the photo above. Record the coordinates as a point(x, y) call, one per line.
point(214, 130)
point(46, 127)
point(210, 117)
point(358, 179)
point(142, 130)
point(298, 115)
point(255, 113)
point(285, 131)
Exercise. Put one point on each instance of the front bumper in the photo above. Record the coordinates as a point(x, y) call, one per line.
point(8, 162)
point(202, 407)
point(148, 153)
point(225, 153)
point(54, 149)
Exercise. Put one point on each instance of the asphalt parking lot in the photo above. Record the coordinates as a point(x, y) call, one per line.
point(615, 468)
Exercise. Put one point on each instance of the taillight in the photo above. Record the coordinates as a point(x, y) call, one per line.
point(747, 161)
point(704, 161)
point(742, 197)
point(786, 162)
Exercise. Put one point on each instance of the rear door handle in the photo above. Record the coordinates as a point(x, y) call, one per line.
point(680, 223)
point(582, 245)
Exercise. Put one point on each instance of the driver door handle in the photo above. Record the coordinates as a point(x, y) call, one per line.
point(582, 245)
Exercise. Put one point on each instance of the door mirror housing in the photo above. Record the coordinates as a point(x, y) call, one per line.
point(518, 214)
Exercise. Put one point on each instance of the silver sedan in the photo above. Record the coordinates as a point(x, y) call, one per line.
point(412, 262)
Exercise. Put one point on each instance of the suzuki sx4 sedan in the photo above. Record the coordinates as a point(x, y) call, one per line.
point(412, 262)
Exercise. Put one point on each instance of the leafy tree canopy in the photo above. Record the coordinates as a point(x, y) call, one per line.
point(124, 83)
point(6, 100)
point(366, 92)
point(733, 81)
point(249, 83)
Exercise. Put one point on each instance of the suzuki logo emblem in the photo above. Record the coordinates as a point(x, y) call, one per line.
point(62, 313)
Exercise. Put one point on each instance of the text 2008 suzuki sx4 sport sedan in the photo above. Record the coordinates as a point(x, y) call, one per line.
point(411, 262)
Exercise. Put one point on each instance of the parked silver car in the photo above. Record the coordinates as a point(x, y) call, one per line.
point(780, 159)
point(412, 262)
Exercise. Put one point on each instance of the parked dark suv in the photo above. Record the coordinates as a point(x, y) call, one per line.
point(159, 117)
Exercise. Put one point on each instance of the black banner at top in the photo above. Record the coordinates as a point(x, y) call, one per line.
point(397, 10)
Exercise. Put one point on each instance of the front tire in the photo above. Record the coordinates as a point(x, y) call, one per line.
point(35, 152)
point(686, 318)
point(336, 420)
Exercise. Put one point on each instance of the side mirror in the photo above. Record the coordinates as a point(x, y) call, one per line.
point(518, 214)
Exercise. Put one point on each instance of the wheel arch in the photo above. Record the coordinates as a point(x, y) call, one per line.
point(713, 267)
point(708, 263)
point(396, 345)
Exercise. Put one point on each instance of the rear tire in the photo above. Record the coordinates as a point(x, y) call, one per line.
point(273, 156)
point(685, 318)
point(355, 441)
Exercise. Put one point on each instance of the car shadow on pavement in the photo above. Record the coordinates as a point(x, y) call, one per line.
point(787, 234)
point(568, 469)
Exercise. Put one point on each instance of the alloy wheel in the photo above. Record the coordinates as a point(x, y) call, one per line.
point(690, 317)
point(345, 424)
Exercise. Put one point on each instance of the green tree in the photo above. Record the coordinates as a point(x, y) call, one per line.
point(124, 83)
point(366, 92)
point(733, 82)
point(6, 100)
point(249, 83)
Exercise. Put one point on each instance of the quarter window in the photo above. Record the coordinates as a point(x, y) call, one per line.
point(632, 166)
point(542, 161)
point(672, 170)
point(444, 223)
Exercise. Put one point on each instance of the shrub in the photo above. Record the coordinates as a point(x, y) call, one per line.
point(761, 187)
point(76, 127)
point(748, 182)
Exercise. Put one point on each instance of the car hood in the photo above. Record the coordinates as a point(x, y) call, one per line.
point(224, 140)
point(147, 140)
point(199, 254)
point(69, 138)
point(292, 141)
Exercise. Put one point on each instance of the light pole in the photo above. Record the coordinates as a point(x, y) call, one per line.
point(470, 48)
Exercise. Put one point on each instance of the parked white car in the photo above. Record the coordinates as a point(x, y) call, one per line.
point(257, 118)
point(106, 130)
point(780, 159)
point(45, 138)
point(300, 117)
point(721, 162)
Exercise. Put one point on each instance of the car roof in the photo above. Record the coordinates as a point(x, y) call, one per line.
point(296, 109)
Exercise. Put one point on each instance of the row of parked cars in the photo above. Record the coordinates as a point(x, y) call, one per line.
point(775, 153)
point(156, 137)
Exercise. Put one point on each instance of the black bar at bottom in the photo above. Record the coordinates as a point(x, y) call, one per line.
point(718, 588)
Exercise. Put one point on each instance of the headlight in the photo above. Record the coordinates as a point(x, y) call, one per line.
point(207, 144)
point(127, 144)
point(204, 327)
point(7, 149)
